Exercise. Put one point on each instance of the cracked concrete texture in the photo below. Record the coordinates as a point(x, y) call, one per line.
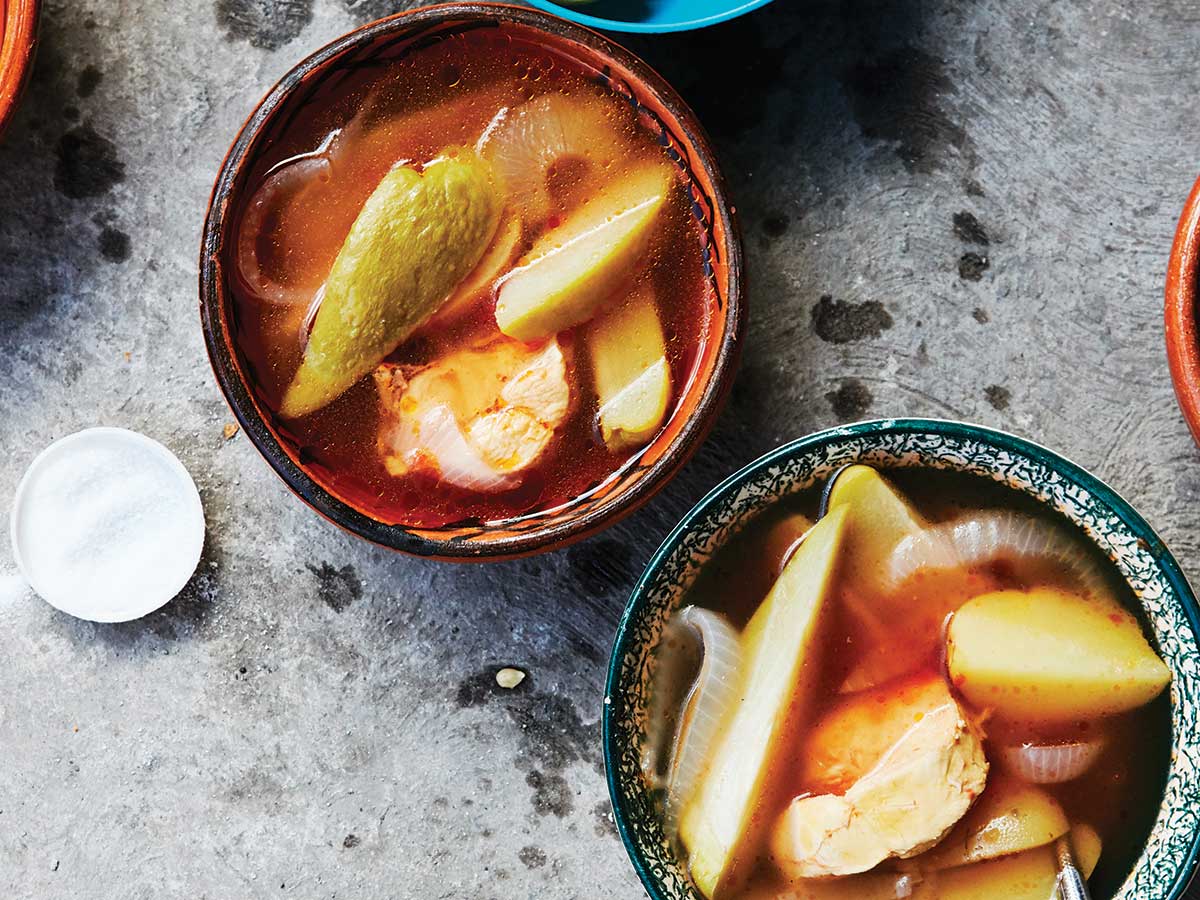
point(950, 209)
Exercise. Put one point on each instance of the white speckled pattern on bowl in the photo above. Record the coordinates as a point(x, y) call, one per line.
point(1167, 863)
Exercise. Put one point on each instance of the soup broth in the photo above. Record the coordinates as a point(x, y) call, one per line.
point(914, 561)
point(552, 146)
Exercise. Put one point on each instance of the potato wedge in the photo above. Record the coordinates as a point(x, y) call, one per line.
point(879, 518)
point(629, 364)
point(1010, 817)
point(869, 886)
point(1048, 656)
point(722, 824)
point(1029, 875)
point(573, 269)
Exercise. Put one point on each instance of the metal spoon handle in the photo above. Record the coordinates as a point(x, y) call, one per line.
point(1071, 884)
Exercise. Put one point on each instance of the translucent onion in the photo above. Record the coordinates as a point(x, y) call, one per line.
point(1052, 763)
point(984, 537)
point(282, 183)
point(440, 438)
point(526, 143)
point(699, 661)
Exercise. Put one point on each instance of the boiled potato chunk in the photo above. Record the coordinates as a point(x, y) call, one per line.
point(415, 238)
point(573, 269)
point(1011, 816)
point(1049, 656)
point(906, 804)
point(879, 518)
point(855, 733)
point(1030, 875)
point(869, 886)
point(629, 364)
point(722, 825)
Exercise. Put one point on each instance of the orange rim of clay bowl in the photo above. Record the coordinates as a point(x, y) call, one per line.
point(1183, 350)
point(18, 37)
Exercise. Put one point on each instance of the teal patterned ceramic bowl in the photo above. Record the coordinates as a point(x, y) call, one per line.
point(1170, 856)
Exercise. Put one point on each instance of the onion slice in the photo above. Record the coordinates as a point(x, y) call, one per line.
point(526, 143)
point(702, 646)
point(987, 536)
point(1052, 763)
point(281, 184)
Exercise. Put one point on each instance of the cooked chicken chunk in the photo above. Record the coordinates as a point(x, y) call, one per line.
point(904, 805)
point(476, 418)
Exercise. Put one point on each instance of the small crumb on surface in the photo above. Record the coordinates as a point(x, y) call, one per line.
point(509, 678)
point(229, 430)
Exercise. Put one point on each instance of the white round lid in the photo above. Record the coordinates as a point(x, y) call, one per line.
point(107, 525)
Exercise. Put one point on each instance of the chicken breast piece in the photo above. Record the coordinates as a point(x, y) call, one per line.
point(903, 806)
point(478, 418)
point(855, 732)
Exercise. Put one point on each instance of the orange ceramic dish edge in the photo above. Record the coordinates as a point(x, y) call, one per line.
point(18, 28)
point(1183, 350)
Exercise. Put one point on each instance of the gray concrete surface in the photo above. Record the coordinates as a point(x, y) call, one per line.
point(313, 717)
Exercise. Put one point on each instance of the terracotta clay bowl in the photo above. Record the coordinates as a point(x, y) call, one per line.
point(1167, 604)
point(18, 37)
point(1183, 349)
point(659, 108)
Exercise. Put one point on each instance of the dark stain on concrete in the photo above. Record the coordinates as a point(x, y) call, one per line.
point(532, 857)
point(776, 224)
point(604, 825)
point(841, 321)
point(981, 315)
point(551, 794)
point(114, 244)
point(72, 371)
point(88, 164)
point(552, 733)
point(71, 113)
point(475, 690)
point(969, 229)
point(851, 400)
point(973, 188)
point(600, 566)
point(351, 841)
point(895, 97)
point(998, 395)
point(337, 588)
point(89, 80)
point(971, 266)
point(266, 24)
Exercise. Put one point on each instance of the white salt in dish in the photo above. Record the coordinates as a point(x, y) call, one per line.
point(107, 525)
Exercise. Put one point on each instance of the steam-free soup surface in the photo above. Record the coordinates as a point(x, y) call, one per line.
point(553, 145)
point(881, 663)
